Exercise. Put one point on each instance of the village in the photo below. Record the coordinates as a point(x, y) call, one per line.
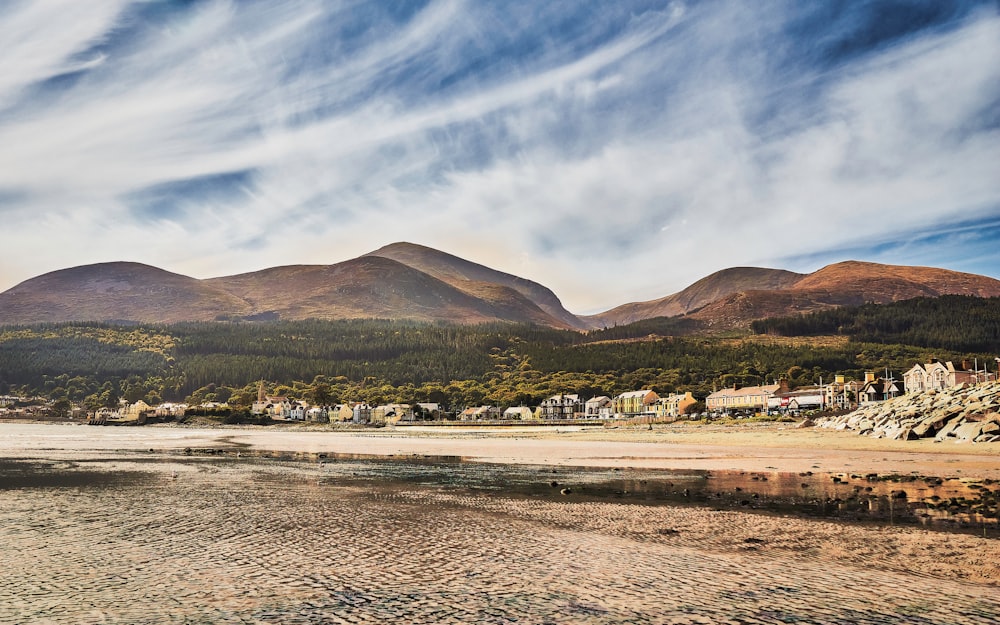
point(639, 406)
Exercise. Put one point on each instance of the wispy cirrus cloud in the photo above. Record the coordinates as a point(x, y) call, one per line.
point(612, 151)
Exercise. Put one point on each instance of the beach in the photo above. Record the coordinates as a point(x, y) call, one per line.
point(286, 525)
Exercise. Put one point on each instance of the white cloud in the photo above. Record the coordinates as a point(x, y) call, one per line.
point(612, 166)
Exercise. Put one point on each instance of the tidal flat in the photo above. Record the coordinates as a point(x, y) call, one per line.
point(231, 533)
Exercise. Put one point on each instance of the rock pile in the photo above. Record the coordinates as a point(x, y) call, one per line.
point(967, 413)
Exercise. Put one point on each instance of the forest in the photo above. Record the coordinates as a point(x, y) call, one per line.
point(955, 322)
point(381, 361)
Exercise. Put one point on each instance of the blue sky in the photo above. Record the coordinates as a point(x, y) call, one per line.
point(613, 151)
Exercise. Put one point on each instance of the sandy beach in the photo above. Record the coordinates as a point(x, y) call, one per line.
point(120, 525)
point(758, 447)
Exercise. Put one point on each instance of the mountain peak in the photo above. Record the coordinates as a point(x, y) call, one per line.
point(477, 279)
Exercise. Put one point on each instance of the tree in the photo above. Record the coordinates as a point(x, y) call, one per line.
point(321, 394)
point(61, 408)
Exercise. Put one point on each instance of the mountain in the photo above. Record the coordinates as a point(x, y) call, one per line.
point(116, 291)
point(732, 298)
point(374, 287)
point(371, 286)
point(477, 280)
point(705, 291)
point(407, 281)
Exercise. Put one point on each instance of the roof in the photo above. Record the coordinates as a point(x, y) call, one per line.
point(628, 394)
point(746, 391)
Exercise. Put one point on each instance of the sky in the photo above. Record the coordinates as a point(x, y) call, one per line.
point(612, 151)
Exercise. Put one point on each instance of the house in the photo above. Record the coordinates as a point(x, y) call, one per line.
point(878, 389)
point(749, 398)
point(841, 394)
point(634, 403)
point(426, 410)
point(275, 406)
point(391, 413)
point(561, 407)
point(297, 411)
point(319, 414)
point(422, 411)
point(939, 375)
point(480, 413)
point(341, 412)
point(134, 410)
point(802, 398)
point(104, 414)
point(361, 413)
point(674, 404)
point(518, 413)
point(170, 410)
point(599, 407)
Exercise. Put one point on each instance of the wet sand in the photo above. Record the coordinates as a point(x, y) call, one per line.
point(160, 537)
point(755, 448)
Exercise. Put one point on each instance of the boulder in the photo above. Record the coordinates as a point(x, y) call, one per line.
point(968, 431)
point(948, 429)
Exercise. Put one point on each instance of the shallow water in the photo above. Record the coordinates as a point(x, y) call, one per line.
point(224, 539)
point(944, 504)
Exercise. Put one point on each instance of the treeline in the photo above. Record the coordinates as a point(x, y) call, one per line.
point(657, 326)
point(953, 322)
point(389, 361)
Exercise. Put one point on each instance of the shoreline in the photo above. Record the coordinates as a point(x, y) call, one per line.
point(756, 447)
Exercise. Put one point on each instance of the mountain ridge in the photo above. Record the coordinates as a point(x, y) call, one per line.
point(415, 282)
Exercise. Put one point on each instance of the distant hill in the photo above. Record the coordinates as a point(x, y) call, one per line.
point(374, 287)
point(411, 282)
point(478, 280)
point(117, 291)
point(705, 291)
point(733, 298)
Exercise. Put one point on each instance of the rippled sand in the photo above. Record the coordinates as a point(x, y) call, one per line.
point(238, 541)
point(101, 530)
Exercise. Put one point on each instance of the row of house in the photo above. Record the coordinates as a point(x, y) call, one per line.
point(571, 406)
point(843, 394)
point(564, 406)
point(777, 397)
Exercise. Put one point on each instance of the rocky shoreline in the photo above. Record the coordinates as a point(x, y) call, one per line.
point(962, 414)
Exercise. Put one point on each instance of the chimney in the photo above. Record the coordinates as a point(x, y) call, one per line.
point(839, 379)
point(869, 376)
point(966, 365)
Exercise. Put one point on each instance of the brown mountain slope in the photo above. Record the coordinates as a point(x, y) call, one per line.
point(373, 287)
point(705, 291)
point(884, 283)
point(850, 283)
point(478, 280)
point(116, 291)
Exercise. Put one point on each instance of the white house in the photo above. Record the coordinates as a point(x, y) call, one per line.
point(599, 407)
point(562, 406)
point(518, 413)
point(939, 375)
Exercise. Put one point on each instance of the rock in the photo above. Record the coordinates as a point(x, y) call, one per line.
point(968, 431)
point(929, 424)
point(948, 429)
point(945, 414)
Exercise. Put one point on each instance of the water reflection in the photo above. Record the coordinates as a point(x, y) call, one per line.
point(950, 503)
